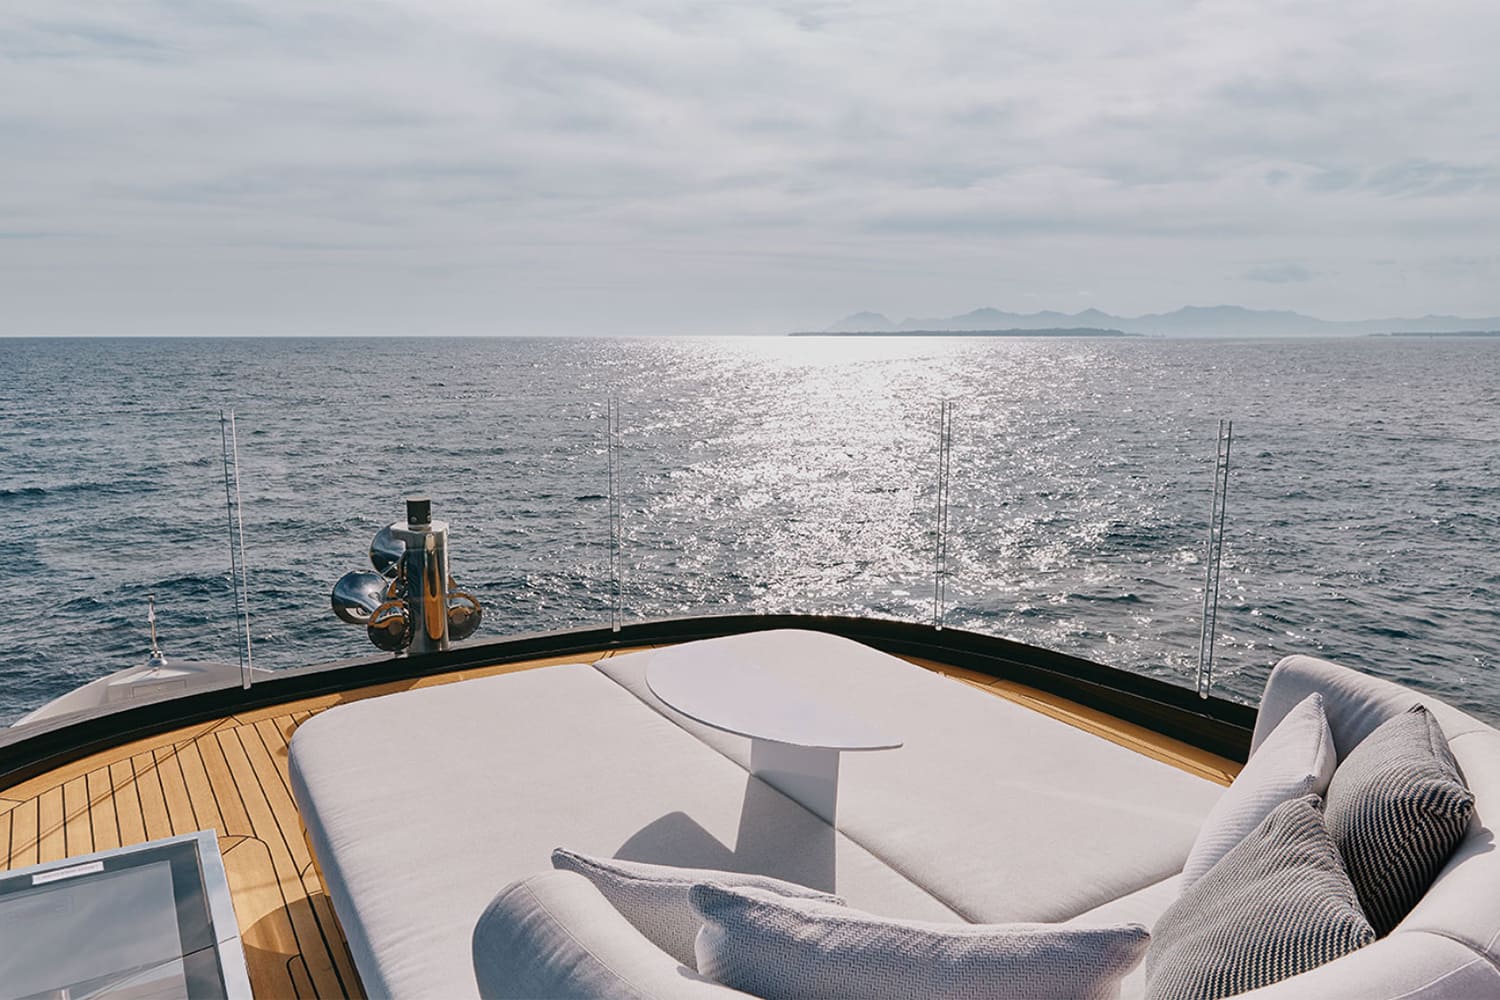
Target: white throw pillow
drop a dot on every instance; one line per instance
(780, 949)
(1296, 759)
(654, 898)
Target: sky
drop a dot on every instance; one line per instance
(466, 167)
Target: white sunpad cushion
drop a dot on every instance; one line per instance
(1039, 786)
(654, 898)
(1298, 758)
(780, 948)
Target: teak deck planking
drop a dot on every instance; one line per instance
(230, 776)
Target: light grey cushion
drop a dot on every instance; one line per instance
(654, 898)
(1145, 907)
(976, 765)
(1397, 807)
(1297, 759)
(1278, 904)
(420, 805)
(554, 936)
(789, 949)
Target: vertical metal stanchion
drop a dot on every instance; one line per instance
(1214, 556)
(238, 571)
(940, 543)
(616, 512)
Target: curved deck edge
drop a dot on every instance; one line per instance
(1217, 725)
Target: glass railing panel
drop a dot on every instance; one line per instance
(107, 506)
(1080, 529)
(521, 482)
(775, 475)
(1361, 509)
(818, 501)
(1369, 542)
(139, 507)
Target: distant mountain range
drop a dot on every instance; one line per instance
(1051, 331)
(1191, 321)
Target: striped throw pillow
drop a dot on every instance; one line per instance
(1397, 807)
(1278, 904)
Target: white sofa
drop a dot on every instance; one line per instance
(1448, 947)
(422, 806)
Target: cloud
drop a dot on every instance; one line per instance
(1482, 268)
(660, 165)
(1280, 274)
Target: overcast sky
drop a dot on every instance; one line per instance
(448, 166)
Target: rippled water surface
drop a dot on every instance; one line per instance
(767, 475)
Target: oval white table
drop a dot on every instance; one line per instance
(797, 729)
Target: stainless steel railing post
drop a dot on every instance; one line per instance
(940, 532)
(1214, 557)
(616, 515)
(239, 573)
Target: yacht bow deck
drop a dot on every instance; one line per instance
(230, 775)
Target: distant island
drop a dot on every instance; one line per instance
(1077, 331)
(1440, 333)
(1190, 321)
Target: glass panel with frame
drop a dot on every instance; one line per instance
(152, 920)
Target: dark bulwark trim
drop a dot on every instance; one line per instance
(1213, 724)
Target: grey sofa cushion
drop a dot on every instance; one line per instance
(1463, 902)
(1403, 966)
(1448, 947)
(1355, 702)
(1276, 905)
(654, 898)
(1297, 759)
(1397, 807)
(555, 936)
(788, 949)
(1462, 906)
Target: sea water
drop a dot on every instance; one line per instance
(766, 474)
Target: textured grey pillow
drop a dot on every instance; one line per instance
(780, 949)
(1296, 759)
(1397, 807)
(654, 898)
(1279, 903)
(553, 936)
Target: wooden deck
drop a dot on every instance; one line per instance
(1183, 756)
(231, 776)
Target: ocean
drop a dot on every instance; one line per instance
(766, 474)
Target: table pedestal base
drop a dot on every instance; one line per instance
(809, 775)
